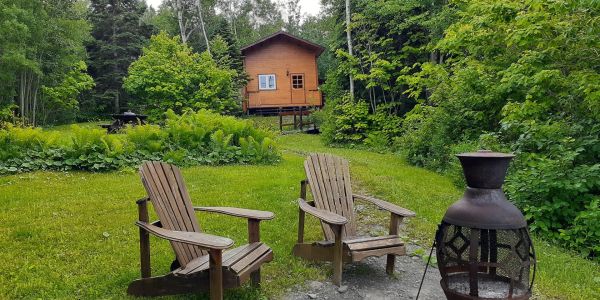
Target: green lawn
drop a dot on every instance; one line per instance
(71, 235)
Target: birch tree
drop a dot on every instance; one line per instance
(349, 40)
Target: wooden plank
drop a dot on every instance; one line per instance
(254, 237)
(186, 221)
(254, 267)
(301, 217)
(201, 263)
(313, 252)
(195, 238)
(316, 191)
(216, 274)
(240, 255)
(163, 210)
(360, 239)
(323, 215)
(156, 197)
(239, 212)
(393, 208)
(324, 201)
(341, 187)
(348, 188)
(331, 199)
(324, 174)
(144, 241)
(391, 259)
(360, 255)
(171, 209)
(250, 257)
(188, 204)
(375, 244)
(337, 256)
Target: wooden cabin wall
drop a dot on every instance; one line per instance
(281, 58)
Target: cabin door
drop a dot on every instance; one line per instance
(298, 91)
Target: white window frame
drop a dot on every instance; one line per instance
(266, 79)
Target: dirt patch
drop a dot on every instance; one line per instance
(368, 280)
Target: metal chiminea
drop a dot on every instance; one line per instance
(483, 246)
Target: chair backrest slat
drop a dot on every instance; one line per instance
(329, 180)
(168, 194)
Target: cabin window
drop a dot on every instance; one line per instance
(298, 81)
(267, 82)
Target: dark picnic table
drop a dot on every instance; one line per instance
(126, 118)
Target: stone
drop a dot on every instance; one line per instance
(315, 285)
(342, 289)
(312, 296)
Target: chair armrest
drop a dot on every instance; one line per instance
(323, 215)
(192, 238)
(239, 212)
(393, 208)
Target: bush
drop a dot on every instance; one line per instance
(347, 121)
(193, 138)
(169, 75)
(424, 141)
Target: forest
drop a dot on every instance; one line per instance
(422, 78)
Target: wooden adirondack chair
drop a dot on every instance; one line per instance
(202, 263)
(328, 177)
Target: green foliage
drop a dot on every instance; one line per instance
(41, 44)
(190, 139)
(170, 76)
(347, 121)
(119, 32)
(522, 73)
(64, 98)
(514, 76)
(423, 140)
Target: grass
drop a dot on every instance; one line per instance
(67, 127)
(71, 235)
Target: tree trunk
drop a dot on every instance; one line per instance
(115, 67)
(349, 39)
(22, 96)
(117, 104)
(35, 99)
(232, 16)
(199, 5)
(180, 21)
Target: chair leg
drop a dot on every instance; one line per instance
(254, 237)
(391, 262)
(216, 274)
(391, 259)
(337, 256)
(255, 278)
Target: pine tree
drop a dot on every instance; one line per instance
(119, 35)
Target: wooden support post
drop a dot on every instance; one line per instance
(280, 121)
(303, 189)
(144, 239)
(391, 259)
(301, 112)
(254, 237)
(337, 255)
(215, 262)
(301, 216)
(295, 122)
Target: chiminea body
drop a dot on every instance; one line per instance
(483, 246)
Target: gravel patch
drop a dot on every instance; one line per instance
(368, 280)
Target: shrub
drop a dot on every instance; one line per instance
(424, 141)
(347, 121)
(193, 138)
(169, 75)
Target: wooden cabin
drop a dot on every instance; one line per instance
(283, 74)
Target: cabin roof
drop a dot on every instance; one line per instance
(318, 49)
